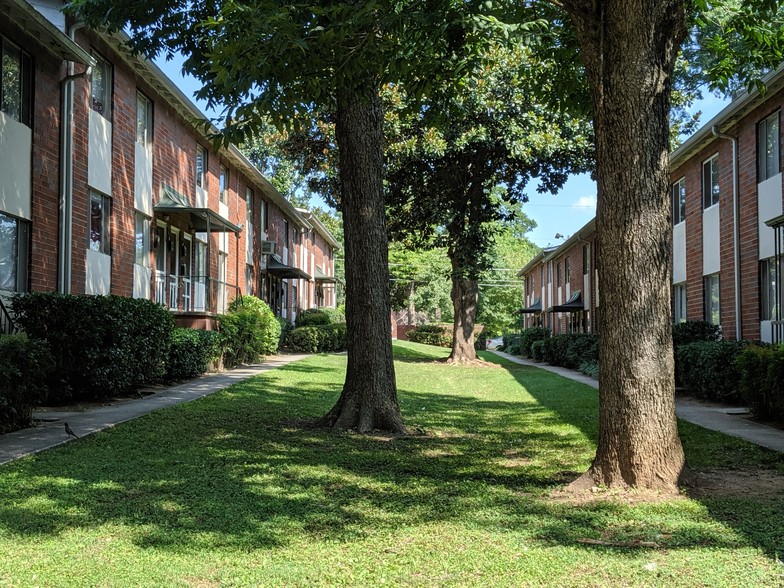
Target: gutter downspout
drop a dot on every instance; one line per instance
(64, 257)
(735, 224)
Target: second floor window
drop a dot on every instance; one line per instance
(567, 271)
(679, 201)
(587, 258)
(768, 161)
(101, 87)
(285, 233)
(16, 75)
(710, 182)
(201, 166)
(224, 185)
(143, 120)
(100, 222)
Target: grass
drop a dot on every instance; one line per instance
(231, 490)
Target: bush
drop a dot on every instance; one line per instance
(762, 380)
(24, 366)
(528, 336)
(191, 352)
(249, 330)
(269, 334)
(590, 368)
(101, 345)
(693, 331)
(508, 339)
(708, 369)
(439, 334)
(537, 350)
(320, 316)
(514, 345)
(581, 348)
(318, 339)
(554, 350)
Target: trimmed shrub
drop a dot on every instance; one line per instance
(528, 336)
(537, 350)
(581, 348)
(762, 380)
(102, 345)
(708, 369)
(318, 339)
(439, 334)
(508, 339)
(514, 346)
(191, 353)
(590, 368)
(24, 366)
(269, 335)
(693, 331)
(249, 330)
(320, 316)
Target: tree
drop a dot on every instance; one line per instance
(276, 62)
(457, 168)
(419, 281)
(629, 49)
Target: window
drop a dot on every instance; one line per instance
(248, 279)
(769, 280)
(768, 147)
(712, 297)
(679, 201)
(587, 258)
(224, 185)
(143, 120)
(558, 275)
(201, 166)
(142, 240)
(710, 182)
(249, 222)
(100, 215)
(679, 303)
(549, 272)
(264, 218)
(16, 70)
(295, 236)
(285, 233)
(14, 239)
(567, 271)
(101, 87)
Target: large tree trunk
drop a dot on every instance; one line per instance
(465, 295)
(629, 48)
(369, 397)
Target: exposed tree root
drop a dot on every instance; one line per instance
(470, 362)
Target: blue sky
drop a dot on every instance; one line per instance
(564, 212)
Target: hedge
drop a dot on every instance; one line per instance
(761, 384)
(191, 352)
(249, 330)
(102, 345)
(24, 366)
(318, 338)
(708, 369)
(694, 331)
(570, 350)
(320, 316)
(438, 334)
(528, 336)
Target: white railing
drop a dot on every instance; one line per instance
(199, 294)
(160, 287)
(173, 291)
(186, 294)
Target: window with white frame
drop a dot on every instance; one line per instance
(558, 275)
(710, 182)
(549, 272)
(567, 272)
(264, 222)
(249, 222)
(587, 258)
(285, 233)
(768, 142)
(248, 279)
(201, 166)
(17, 77)
(143, 120)
(679, 303)
(101, 87)
(679, 201)
(14, 242)
(224, 184)
(100, 222)
(142, 240)
(770, 278)
(712, 299)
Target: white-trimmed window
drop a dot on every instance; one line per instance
(264, 220)
(101, 87)
(17, 77)
(710, 182)
(143, 120)
(14, 242)
(712, 299)
(679, 303)
(224, 184)
(142, 240)
(100, 222)
(248, 279)
(768, 142)
(549, 272)
(249, 223)
(770, 279)
(567, 272)
(679, 201)
(201, 166)
(587, 258)
(285, 233)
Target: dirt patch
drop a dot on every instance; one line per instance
(737, 484)
(475, 363)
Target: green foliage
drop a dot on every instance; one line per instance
(249, 330)
(285, 327)
(439, 334)
(318, 338)
(693, 331)
(320, 316)
(708, 370)
(570, 350)
(102, 345)
(24, 367)
(537, 350)
(512, 344)
(529, 336)
(428, 271)
(590, 368)
(762, 380)
(191, 353)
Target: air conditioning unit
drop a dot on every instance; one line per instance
(269, 247)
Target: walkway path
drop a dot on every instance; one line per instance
(714, 417)
(51, 431)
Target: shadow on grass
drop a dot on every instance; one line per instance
(228, 472)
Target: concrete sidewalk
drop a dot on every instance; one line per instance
(725, 419)
(50, 431)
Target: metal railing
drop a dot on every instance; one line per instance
(194, 293)
(7, 325)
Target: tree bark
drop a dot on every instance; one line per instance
(369, 397)
(465, 295)
(411, 306)
(629, 49)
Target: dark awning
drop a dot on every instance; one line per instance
(574, 304)
(201, 220)
(320, 276)
(534, 308)
(283, 271)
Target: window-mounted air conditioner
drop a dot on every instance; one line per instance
(269, 247)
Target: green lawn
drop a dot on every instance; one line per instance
(231, 490)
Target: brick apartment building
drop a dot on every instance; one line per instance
(110, 184)
(728, 231)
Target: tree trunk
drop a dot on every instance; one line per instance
(411, 306)
(465, 295)
(629, 48)
(369, 397)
